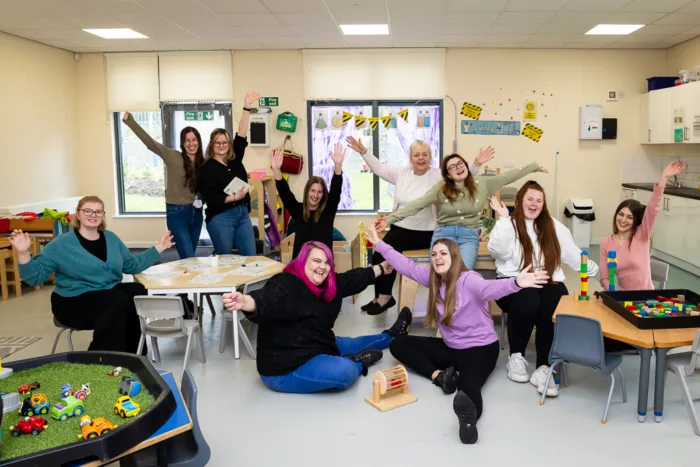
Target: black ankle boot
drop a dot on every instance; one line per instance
(367, 358)
(447, 380)
(403, 322)
(466, 414)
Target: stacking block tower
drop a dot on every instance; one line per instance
(612, 266)
(363, 245)
(583, 272)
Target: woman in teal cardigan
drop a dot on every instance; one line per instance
(89, 262)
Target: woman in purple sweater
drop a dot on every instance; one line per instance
(458, 300)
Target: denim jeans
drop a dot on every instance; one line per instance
(326, 371)
(185, 224)
(229, 227)
(466, 237)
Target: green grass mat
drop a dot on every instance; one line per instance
(105, 391)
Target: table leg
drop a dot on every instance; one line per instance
(644, 370)
(659, 384)
(236, 347)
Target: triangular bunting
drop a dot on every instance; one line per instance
(404, 114)
(347, 116)
(359, 121)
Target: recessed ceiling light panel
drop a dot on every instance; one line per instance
(121, 33)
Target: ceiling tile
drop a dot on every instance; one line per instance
(322, 41)
(635, 46)
(234, 6)
(662, 29)
(92, 22)
(585, 46)
(525, 17)
(470, 17)
(535, 5)
(304, 18)
(66, 34)
(238, 31)
(631, 17)
(459, 38)
(272, 42)
(677, 39)
(419, 18)
(694, 31)
(502, 45)
(476, 5)
(565, 28)
(360, 15)
(325, 27)
(165, 7)
(505, 38)
(579, 17)
(446, 29)
(188, 21)
(664, 6)
(413, 42)
(512, 28)
(553, 38)
(642, 39)
(596, 5)
(250, 19)
(78, 8)
(680, 18)
(293, 6)
(30, 23)
(369, 41)
(549, 45)
(693, 7)
(396, 5)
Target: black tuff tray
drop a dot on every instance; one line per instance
(118, 441)
(615, 301)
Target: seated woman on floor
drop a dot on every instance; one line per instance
(89, 262)
(296, 311)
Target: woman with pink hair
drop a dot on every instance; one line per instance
(296, 311)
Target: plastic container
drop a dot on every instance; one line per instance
(257, 174)
(688, 76)
(661, 82)
(579, 217)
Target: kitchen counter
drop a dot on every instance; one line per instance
(692, 193)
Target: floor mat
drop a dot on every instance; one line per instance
(10, 345)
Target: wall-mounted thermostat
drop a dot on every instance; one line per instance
(591, 122)
(259, 129)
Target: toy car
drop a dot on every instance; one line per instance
(92, 428)
(68, 407)
(27, 425)
(129, 386)
(81, 393)
(125, 407)
(35, 405)
(25, 388)
(116, 372)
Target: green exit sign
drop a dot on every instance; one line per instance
(201, 116)
(269, 101)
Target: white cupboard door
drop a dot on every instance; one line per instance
(660, 116)
(644, 129)
(677, 213)
(692, 233)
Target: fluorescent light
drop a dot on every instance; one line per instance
(615, 29)
(123, 33)
(365, 29)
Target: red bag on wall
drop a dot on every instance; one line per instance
(292, 162)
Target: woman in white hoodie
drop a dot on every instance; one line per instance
(532, 237)
(415, 232)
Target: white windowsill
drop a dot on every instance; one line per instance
(137, 216)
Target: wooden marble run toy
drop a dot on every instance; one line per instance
(390, 389)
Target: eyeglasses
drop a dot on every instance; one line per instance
(221, 144)
(456, 166)
(91, 213)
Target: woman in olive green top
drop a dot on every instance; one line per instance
(459, 199)
(183, 215)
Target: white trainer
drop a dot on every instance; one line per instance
(539, 377)
(517, 368)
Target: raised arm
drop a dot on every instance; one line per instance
(415, 206)
(570, 252)
(490, 290)
(482, 157)
(356, 280)
(33, 271)
(249, 100)
(399, 262)
(151, 144)
(654, 205)
(498, 181)
(383, 171)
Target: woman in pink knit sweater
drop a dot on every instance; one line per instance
(631, 238)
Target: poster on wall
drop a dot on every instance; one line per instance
(337, 122)
(423, 120)
(679, 116)
(533, 133)
(530, 110)
(490, 127)
(320, 119)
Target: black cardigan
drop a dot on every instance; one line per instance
(306, 231)
(295, 325)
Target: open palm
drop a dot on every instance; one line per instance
(277, 158)
(674, 168)
(21, 241)
(251, 98)
(356, 145)
(485, 155)
(338, 154)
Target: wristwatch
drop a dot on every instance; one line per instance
(247, 109)
(381, 268)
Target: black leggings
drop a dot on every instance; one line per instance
(424, 355)
(401, 240)
(111, 313)
(529, 308)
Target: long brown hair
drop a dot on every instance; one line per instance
(75, 222)
(449, 280)
(321, 206)
(550, 250)
(191, 167)
(637, 210)
(212, 138)
(450, 189)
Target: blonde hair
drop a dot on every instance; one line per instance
(419, 142)
(75, 221)
(212, 139)
(449, 280)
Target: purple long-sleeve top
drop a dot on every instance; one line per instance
(472, 325)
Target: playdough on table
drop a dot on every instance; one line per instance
(52, 377)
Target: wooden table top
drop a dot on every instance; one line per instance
(669, 338)
(161, 276)
(614, 326)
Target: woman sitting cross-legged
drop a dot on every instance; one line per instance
(89, 262)
(296, 310)
(458, 300)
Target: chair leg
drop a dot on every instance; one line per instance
(546, 383)
(211, 305)
(222, 334)
(246, 341)
(55, 341)
(622, 383)
(190, 331)
(154, 349)
(3, 279)
(200, 338)
(70, 339)
(236, 346)
(607, 404)
(142, 342)
(689, 404)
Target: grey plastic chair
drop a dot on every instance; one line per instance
(580, 340)
(659, 272)
(238, 330)
(682, 364)
(62, 327)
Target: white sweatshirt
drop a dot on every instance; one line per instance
(505, 247)
(409, 187)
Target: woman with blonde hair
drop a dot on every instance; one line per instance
(89, 262)
(414, 232)
(458, 305)
(227, 216)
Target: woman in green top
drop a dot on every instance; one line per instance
(459, 200)
(183, 212)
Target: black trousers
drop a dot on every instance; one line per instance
(401, 240)
(111, 313)
(424, 355)
(529, 308)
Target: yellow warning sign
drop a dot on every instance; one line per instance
(471, 111)
(530, 112)
(532, 132)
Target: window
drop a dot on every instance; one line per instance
(362, 190)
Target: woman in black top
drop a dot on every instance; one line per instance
(314, 217)
(296, 311)
(227, 216)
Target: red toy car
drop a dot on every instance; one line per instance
(25, 388)
(27, 425)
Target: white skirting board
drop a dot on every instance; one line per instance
(59, 204)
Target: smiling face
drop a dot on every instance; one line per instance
(191, 144)
(533, 201)
(317, 266)
(420, 157)
(315, 196)
(457, 169)
(91, 215)
(624, 220)
(221, 146)
(441, 259)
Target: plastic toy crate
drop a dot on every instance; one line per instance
(615, 301)
(661, 82)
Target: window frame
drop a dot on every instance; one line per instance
(375, 104)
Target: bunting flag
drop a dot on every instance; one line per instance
(373, 122)
(347, 116)
(359, 121)
(404, 114)
(471, 111)
(386, 120)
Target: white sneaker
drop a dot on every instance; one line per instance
(517, 368)
(539, 377)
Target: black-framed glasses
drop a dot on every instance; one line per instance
(91, 213)
(456, 166)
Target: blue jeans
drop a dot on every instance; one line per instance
(466, 237)
(232, 226)
(326, 371)
(185, 224)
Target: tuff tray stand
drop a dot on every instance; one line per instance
(616, 300)
(120, 440)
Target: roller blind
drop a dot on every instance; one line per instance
(132, 82)
(195, 76)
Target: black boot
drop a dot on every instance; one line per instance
(367, 358)
(447, 380)
(403, 322)
(466, 414)
(377, 309)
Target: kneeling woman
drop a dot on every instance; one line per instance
(458, 305)
(89, 262)
(296, 311)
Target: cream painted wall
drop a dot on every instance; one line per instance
(685, 56)
(38, 121)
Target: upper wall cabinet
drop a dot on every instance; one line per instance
(667, 116)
